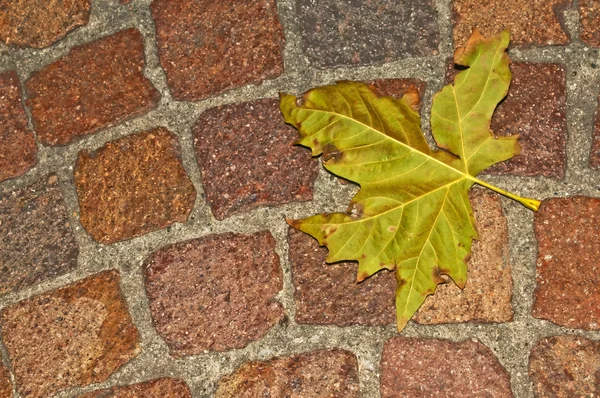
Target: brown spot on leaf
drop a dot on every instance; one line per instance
(392, 228)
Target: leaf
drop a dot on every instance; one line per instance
(412, 213)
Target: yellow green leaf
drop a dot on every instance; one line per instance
(412, 213)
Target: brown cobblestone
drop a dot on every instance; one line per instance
(414, 367)
(487, 295)
(535, 108)
(40, 23)
(565, 366)
(328, 293)
(215, 293)
(353, 33)
(595, 152)
(74, 336)
(207, 47)
(531, 22)
(96, 85)
(398, 87)
(5, 384)
(133, 186)
(17, 143)
(589, 17)
(36, 238)
(158, 388)
(318, 374)
(247, 159)
(568, 282)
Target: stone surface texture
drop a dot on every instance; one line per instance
(74, 336)
(532, 22)
(398, 87)
(96, 85)
(214, 293)
(327, 294)
(568, 281)
(589, 12)
(158, 388)
(352, 33)
(535, 108)
(207, 47)
(331, 373)
(17, 143)
(6, 389)
(595, 152)
(132, 186)
(414, 367)
(247, 158)
(487, 294)
(565, 366)
(40, 23)
(36, 237)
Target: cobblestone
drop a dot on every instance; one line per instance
(17, 143)
(74, 336)
(318, 374)
(159, 388)
(568, 285)
(96, 85)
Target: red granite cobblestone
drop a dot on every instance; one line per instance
(36, 238)
(5, 383)
(568, 281)
(74, 336)
(414, 367)
(595, 152)
(214, 293)
(487, 294)
(565, 366)
(589, 12)
(247, 158)
(331, 373)
(535, 108)
(158, 388)
(328, 293)
(531, 22)
(207, 47)
(133, 186)
(40, 23)
(17, 143)
(352, 33)
(96, 85)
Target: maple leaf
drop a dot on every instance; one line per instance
(412, 213)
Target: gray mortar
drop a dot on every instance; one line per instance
(511, 342)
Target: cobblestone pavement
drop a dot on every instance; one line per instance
(146, 173)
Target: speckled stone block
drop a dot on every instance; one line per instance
(158, 388)
(535, 108)
(132, 186)
(40, 23)
(352, 33)
(207, 47)
(568, 281)
(414, 367)
(36, 237)
(318, 374)
(595, 152)
(17, 143)
(215, 293)
(328, 293)
(247, 158)
(565, 366)
(487, 294)
(6, 389)
(589, 17)
(531, 22)
(96, 85)
(74, 336)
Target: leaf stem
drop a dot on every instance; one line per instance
(532, 204)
